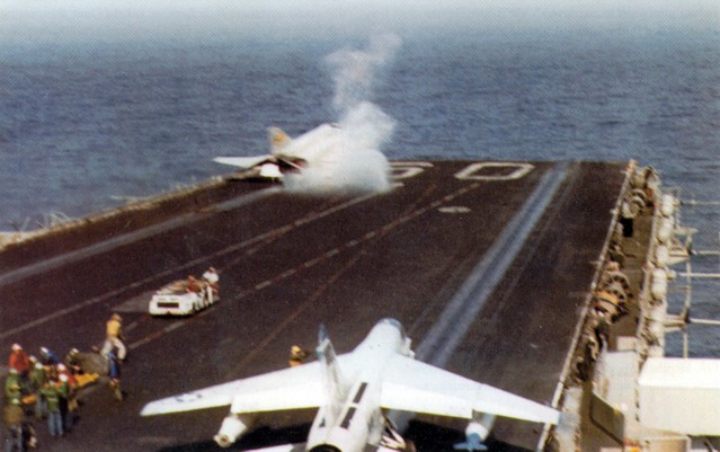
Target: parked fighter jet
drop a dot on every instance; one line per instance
(351, 392)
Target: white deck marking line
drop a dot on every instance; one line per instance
(379, 232)
(174, 326)
(457, 317)
(463, 308)
(158, 334)
(68, 310)
(288, 273)
(158, 276)
(274, 234)
(311, 262)
(384, 229)
(279, 328)
(263, 284)
(115, 242)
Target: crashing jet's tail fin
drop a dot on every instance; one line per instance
(331, 372)
(278, 139)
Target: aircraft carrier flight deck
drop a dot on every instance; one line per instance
(487, 265)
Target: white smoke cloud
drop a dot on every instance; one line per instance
(354, 71)
(354, 162)
(342, 174)
(367, 126)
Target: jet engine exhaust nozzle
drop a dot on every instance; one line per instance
(231, 429)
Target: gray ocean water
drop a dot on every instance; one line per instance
(83, 125)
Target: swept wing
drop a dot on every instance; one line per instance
(245, 162)
(414, 386)
(291, 388)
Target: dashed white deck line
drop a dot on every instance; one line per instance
(312, 262)
(263, 285)
(288, 273)
(457, 316)
(272, 234)
(115, 242)
(377, 233)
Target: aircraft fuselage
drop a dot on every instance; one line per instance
(358, 421)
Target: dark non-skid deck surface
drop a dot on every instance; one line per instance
(289, 263)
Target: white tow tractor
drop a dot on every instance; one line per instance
(186, 296)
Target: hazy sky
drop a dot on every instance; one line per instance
(136, 19)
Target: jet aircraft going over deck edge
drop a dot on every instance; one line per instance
(327, 159)
(288, 154)
(352, 392)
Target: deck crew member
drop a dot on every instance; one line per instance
(114, 337)
(38, 377)
(52, 395)
(19, 360)
(297, 356)
(13, 416)
(72, 361)
(12, 386)
(211, 276)
(48, 357)
(114, 374)
(67, 387)
(212, 279)
(627, 218)
(193, 285)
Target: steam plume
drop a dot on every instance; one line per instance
(356, 162)
(354, 71)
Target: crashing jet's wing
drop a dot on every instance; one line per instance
(414, 386)
(244, 162)
(287, 389)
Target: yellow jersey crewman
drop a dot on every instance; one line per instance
(114, 337)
